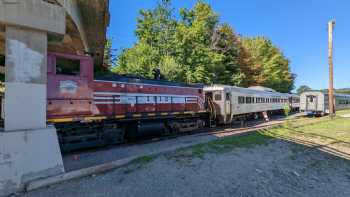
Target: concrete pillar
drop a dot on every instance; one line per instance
(25, 79)
(26, 156)
(29, 149)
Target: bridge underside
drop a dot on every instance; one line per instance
(86, 26)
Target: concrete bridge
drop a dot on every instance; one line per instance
(28, 30)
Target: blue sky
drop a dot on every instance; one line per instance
(298, 27)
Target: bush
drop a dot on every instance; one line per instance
(286, 110)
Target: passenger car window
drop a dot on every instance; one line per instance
(240, 100)
(218, 97)
(311, 99)
(67, 66)
(248, 99)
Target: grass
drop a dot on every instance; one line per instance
(138, 163)
(316, 131)
(336, 129)
(305, 131)
(144, 159)
(224, 145)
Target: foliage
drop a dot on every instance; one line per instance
(339, 91)
(343, 91)
(108, 59)
(235, 59)
(224, 145)
(270, 66)
(138, 61)
(286, 110)
(196, 48)
(171, 70)
(303, 88)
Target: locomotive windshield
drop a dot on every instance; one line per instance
(67, 66)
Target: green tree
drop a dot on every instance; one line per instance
(171, 70)
(235, 61)
(343, 91)
(196, 48)
(157, 27)
(108, 56)
(270, 67)
(138, 61)
(156, 37)
(109, 59)
(303, 88)
(193, 46)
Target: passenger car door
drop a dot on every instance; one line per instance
(228, 103)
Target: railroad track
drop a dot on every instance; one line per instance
(219, 131)
(223, 131)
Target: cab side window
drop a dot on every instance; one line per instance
(67, 67)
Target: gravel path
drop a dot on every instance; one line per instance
(279, 168)
(92, 158)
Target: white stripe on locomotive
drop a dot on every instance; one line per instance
(140, 98)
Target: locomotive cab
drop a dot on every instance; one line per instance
(69, 89)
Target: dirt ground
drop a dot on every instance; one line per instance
(308, 157)
(274, 168)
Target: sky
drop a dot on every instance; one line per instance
(297, 27)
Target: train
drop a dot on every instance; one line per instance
(234, 103)
(90, 111)
(316, 102)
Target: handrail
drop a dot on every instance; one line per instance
(212, 108)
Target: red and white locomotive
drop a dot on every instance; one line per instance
(90, 111)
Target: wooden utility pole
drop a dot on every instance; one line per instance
(330, 61)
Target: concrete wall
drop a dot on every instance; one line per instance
(25, 79)
(26, 55)
(72, 9)
(30, 112)
(34, 14)
(26, 156)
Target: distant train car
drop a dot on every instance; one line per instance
(230, 103)
(316, 102)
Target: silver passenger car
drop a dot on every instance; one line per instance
(316, 102)
(230, 102)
